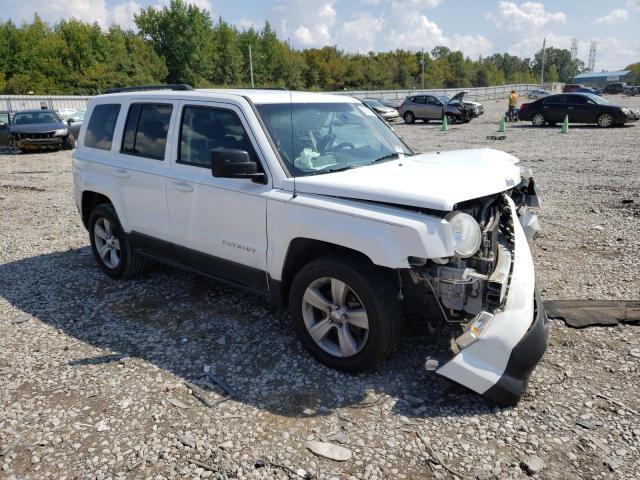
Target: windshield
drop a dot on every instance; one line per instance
(448, 100)
(316, 138)
(596, 98)
(36, 117)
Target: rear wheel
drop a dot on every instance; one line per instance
(537, 120)
(345, 312)
(110, 245)
(605, 120)
(409, 117)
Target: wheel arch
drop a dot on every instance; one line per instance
(303, 250)
(91, 200)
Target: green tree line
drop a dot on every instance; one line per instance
(181, 43)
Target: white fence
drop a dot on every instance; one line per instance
(476, 93)
(14, 103)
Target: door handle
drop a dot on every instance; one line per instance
(569, 108)
(122, 173)
(183, 186)
(545, 107)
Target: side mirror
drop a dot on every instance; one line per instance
(70, 121)
(230, 163)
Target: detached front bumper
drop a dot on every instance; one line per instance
(499, 363)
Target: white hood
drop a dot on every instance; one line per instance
(430, 180)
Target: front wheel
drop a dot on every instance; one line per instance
(110, 245)
(537, 120)
(345, 312)
(605, 120)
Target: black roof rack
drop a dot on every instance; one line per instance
(144, 88)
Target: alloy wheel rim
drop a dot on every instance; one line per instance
(408, 117)
(107, 244)
(538, 119)
(605, 120)
(335, 317)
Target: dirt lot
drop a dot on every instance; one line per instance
(93, 372)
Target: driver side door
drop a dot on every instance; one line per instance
(218, 225)
(434, 108)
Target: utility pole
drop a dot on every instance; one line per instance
(592, 58)
(544, 46)
(251, 67)
(422, 65)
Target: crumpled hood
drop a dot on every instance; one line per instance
(436, 181)
(38, 127)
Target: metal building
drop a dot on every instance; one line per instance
(602, 79)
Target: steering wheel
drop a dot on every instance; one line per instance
(344, 145)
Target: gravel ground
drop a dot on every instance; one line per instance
(94, 373)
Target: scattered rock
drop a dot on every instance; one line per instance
(177, 403)
(330, 451)
(532, 464)
(228, 445)
(589, 424)
(22, 318)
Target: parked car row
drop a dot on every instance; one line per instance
(40, 129)
(579, 108)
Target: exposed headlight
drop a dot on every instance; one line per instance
(626, 111)
(60, 133)
(465, 233)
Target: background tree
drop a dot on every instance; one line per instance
(179, 33)
(566, 67)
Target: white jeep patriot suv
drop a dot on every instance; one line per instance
(314, 200)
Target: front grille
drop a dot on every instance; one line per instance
(38, 136)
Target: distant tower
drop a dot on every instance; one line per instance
(592, 57)
(574, 48)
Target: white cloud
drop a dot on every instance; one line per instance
(471, 45)
(246, 24)
(614, 17)
(122, 14)
(527, 16)
(308, 25)
(612, 52)
(86, 10)
(360, 33)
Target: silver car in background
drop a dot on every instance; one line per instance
(387, 113)
(538, 94)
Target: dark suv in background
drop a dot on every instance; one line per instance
(617, 87)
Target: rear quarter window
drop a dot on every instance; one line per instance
(101, 126)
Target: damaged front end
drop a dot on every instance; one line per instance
(490, 293)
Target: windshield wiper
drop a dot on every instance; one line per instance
(388, 157)
(333, 170)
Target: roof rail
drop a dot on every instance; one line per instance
(143, 88)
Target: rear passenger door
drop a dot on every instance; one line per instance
(555, 108)
(218, 225)
(141, 167)
(419, 106)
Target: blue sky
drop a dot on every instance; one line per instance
(479, 27)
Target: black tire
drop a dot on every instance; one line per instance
(606, 120)
(69, 142)
(131, 264)
(535, 120)
(409, 117)
(378, 296)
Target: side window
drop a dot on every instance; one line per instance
(101, 126)
(204, 129)
(421, 100)
(4, 117)
(145, 133)
(432, 101)
(555, 99)
(579, 100)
